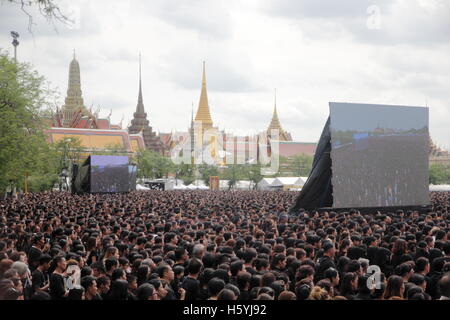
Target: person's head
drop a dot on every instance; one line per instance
(395, 287)
(243, 280)
(39, 240)
(305, 272)
(326, 284)
(318, 293)
(236, 267)
(287, 295)
(111, 264)
(118, 274)
(194, 266)
(444, 285)
(226, 294)
(21, 268)
(198, 251)
(98, 269)
(279, 261)
(165, 272)
(181, 254)
(328, 249)
(419, 280)
(8, 290)
(146, 291)
(349, 283)
(333, 275)
(302, 291)
(404, 270)
(422, 265)
(90, 286)
(119, 290)
(103, 284)
(160, 289)
(249, 255)
(112, 252)
(76, 293)
(215, 285)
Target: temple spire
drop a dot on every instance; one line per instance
(275, 122)
(203, 113)
(139, 121)
(74, 100)
(140, 105)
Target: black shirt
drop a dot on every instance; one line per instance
(39, 280)
(33, 258)
(192, 287)
(57, 287)
(324, 263)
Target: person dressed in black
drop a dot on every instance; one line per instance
(327, 260)
(57, 286)
(191, 283)
(40, 281)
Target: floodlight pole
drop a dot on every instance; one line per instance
(15, 43)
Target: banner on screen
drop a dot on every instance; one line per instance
(379, 155)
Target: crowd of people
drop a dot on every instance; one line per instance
(214, 245)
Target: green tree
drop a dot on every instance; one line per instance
(69, 151)
(24, 150)
(253, 173)
(439, 174)
(301, 165)
(153, 165)
(206, 171)
(185, 172)
(233, 173)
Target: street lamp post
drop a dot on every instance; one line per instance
(15, 43)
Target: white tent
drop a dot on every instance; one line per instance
(287, 183)
(265, 183)
(440, 187)
(180, 187)
(141, 187)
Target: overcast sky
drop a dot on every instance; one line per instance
(313, 52)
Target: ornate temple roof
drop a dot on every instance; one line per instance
(203, 113)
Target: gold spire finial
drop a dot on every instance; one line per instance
(203, 113)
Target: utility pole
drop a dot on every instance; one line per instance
(15, 43)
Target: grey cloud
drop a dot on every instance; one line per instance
(208, 18)
(410, 22)
(322, 8)
(226, 71)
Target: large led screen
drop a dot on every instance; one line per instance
(112, 174)
(379, 155)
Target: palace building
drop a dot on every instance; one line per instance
(74, 120)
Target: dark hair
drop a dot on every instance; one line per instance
(119, 290)
(393, 287)
(194, 266)
(346, 285)
(87, 281)
(76, 294)
(117, 274)
(215, 285)
(421, 264)
(331, 273)
(110, 263)
(235, 267)
(243, 279)
(145, 291)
